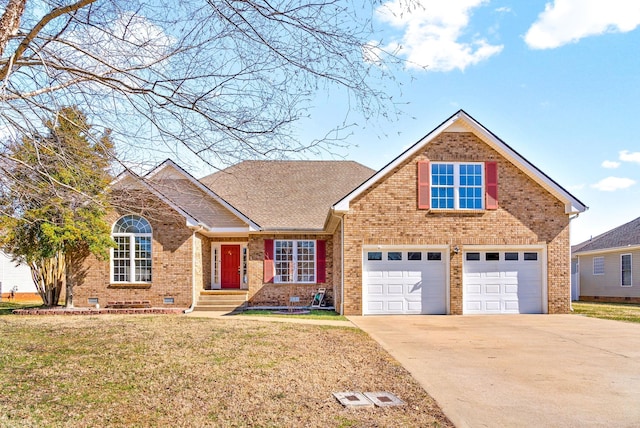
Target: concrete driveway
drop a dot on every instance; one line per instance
(520, 370)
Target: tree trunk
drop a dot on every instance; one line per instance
(68, 293)
(49, 277)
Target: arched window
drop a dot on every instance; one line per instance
(131, 259)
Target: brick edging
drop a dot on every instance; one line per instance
(91, 311)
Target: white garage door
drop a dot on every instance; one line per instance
(404, 281)
(503, 282)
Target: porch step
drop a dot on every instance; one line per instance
(221, 300)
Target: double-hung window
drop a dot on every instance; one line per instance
(457, 186)
(131, 259)
(625, 270)
(295, 261)
(598, 265)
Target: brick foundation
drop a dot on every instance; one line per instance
(610, 299)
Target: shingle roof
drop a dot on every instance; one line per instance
(197, 203)
(622, 236)
(287, 195)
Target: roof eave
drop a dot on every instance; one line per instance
(294, 230)
(630, 247)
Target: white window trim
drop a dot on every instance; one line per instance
(594, 266)
(217, 264)
(276, 278)
(456, 185)
(631, 270)
(132, 255)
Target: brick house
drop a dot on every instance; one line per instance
(459, 223)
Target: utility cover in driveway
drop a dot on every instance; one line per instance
(404, 281)
(503, 282)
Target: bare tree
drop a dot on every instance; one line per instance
(223, 79)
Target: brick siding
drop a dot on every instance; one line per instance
(268, 294)
(387, 214)
(171, 261)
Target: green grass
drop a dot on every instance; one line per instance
(155, 371)
(313, 315)
(6, 308)
(610, 311)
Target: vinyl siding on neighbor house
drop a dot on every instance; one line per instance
(16, 278)
(609, 285)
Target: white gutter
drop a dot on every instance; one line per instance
(195, 230)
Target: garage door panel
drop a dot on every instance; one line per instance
(405, 286)
(473, 305)
(492, 288)
(510, 305)
(511, 288)
(375, 305)
(395, 306)
(374, 289)
(502, 286)
(474, 288)
(395, 289)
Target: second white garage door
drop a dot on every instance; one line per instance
(404, 281)
(503, 282)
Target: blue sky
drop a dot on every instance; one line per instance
(558, 81)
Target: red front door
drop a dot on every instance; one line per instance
(230, 277)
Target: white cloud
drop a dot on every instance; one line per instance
(432, 33)
(627, 156)
(611, 184)
(575, 187)
(610, 164)
(503, 9)
(567, 21)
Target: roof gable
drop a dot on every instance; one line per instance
(462, 122)
(200, 206)
(131, 181)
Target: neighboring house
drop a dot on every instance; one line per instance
(457, 224)
(16, 282)
(605, 265)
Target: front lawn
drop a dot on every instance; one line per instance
(610, 311)
(149, 371)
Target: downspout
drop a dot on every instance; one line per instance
(342, 265)
(195, 230)
(572, 217)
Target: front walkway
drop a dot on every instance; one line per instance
(284, 318)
